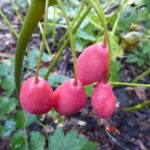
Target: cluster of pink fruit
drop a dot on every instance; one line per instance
(70, 97)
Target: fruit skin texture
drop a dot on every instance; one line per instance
(36, 98)
(69, 98)
(103, 100)
(92, 64)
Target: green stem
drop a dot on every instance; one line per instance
(141, 76)
(34, 14)
(43, 40)
(16, 11)
(73, 22)
(41, 30)
(46, 43)
(137, 107)
(9, 24)
(79, 21)
(71, 39)
(99, 11)
(123, 5)
(54, 26)
(25, 135)
(130, 84)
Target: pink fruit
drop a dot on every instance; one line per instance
(69, 98)
(103, 100)
(36, 98)
(92, 64)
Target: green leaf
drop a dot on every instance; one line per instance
(18, 141)
(8, 84)
(72, 141)
(7, 105)
(147, 2)
(37, 141)
(86, 35)
(32, 58)
(116, 48)
(29, 118)
(129, 15)
(79, 44)
(57, 140)
(8, 128)
(132, 58)
(89, 89)
(115, 68)
(56, 79)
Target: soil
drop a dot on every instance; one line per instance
(123, 131)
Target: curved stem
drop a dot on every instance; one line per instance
(34, 14)
(130, 84)
(57, 56)
(41, 30)
(43, 41)
(9, 24)
(123, 5)
(137, 107)
(104, 42)
(71, 39)
(54, 26)
(141, 76)
(25, 134)
(99, 11)
(73, 22)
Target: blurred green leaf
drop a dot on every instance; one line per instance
(8, 127)
(129, 15)
(7, 105)
(116, 48)
(56, 79)
(89, 90)
(115, 68)
(32, 58)
(37, 141)
(147, 2)
(79, 44)
(132, 58)
(29, 118)
(18, 141)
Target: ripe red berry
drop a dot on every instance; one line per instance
(103, 100)
(36, 97)
(69, 98)
(92, 64)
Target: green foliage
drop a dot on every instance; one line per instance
(140, 56)
(129, 15)
(71, 141)
(18, 141)
(37, 141)
(8, 127)
(115, 68)
(89, 90)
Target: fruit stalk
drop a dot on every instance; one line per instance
(79, 21)
(98, 9)
(43, 41)
(34, 15)
(71, 39)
